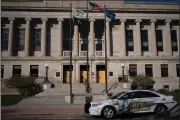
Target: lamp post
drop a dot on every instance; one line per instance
(46, 78)
(122, 66)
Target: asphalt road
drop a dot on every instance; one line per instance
(80, 117)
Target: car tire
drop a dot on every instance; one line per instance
(108, 112)
(160, 109)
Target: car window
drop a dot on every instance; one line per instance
(149, 94)
(144, 94)
(127, 96)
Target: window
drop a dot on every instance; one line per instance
(144, 40)
(142, 94)
(110, 73)
(178, 70)
(21, 39)
(148, 70)
(164, 70)
(174, 40)
(99, 45)
(16, 70)
(132, 69)
(4, 39)
(159, 40)
(166, 87)
(57, 74)
(84, 45)
(67, 44)
(2, 71)
(129, 40)
(37, 40)
(34, 70)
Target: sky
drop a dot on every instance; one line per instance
(157, 1)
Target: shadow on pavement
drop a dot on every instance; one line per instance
(10, 99)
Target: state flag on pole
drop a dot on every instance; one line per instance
(110, 14)
(95, 7)
(78, 13)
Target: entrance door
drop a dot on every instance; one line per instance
(66, 74)
(100, 73)
(83, 73)
(101, 76)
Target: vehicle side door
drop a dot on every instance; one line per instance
(124, 101)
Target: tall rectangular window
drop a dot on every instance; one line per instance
(37, 40)
(159, 40)
(99, 44)
(164, 70)
(144, 40)
(178, 70)
(2, 71)
(4, 39)
(67, 44)
(129, 40)
(149, 70)
(174, 40)
(21, 39)
(34, 70)
(84, 44)
(16, 70)
(132, 69)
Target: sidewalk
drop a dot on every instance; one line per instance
(43, 110)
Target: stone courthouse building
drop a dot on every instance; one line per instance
(144, 38)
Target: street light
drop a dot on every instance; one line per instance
(122, 66)
(46, 78)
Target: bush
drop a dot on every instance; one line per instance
(26, 85)
(142, 82)
(175, 93)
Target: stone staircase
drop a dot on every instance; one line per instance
(56, 95)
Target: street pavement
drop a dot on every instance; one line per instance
(59, 112)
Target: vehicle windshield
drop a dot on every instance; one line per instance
(117, 95)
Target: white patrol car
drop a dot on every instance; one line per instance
(135, 101)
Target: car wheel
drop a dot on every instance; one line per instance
(108, 112)
(160, 109)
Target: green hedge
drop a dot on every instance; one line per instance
(26, 85)
(175, 93)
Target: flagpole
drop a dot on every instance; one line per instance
(106, 84)
(71, 101)
(87, 54)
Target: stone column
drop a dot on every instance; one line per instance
(152, 41)
(168, 44)
(27, 36)
(60, 36)
(76, 40)
(92, 42)
(108, 37)
(43, 36)
(137, 41)
(10, 41)
(122, 38)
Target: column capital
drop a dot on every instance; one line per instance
(153, 20)
(27, 19)
(44, 19)
(168, 20)
(11, 18)
(138, 20)
(60, 19)
(92, 19)
(122, 20)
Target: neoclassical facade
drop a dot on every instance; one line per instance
(144, 38)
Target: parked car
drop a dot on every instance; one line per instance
(135, 101)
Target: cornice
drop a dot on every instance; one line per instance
(90, 58)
